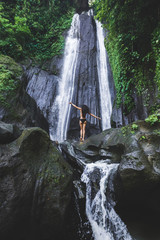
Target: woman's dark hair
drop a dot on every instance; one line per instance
(85, 110)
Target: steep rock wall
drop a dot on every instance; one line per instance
(138, 178)
(81, 5)
(86, 79)
(43, 85)
(35, 186)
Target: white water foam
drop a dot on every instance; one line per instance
(105, 223)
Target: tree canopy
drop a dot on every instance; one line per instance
(33, 28)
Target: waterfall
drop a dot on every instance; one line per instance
(83, 80)
(105, 97)
(66, 86)
(105, 223)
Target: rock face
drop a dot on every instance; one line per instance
(19, 108)
(25, 113)
(43, 85)
(136, 148)
(6, 132)
(81, 5)
(86, 89)
(125, 145)
(35, 187)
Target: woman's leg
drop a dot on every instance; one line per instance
(84, 130)
(81, 130)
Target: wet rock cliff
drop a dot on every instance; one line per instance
(35, 185)
(136, 148)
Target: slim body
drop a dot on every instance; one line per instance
(82, 121)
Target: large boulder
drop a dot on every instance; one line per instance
(139, 167)
(17, 107)
(35, 187)
(136, 148)
(6, 132)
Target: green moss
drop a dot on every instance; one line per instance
(42, 158)
(124, 130)
(157, 132)
(10, 73)
(139, 164)
(129, 129)
(11, 65)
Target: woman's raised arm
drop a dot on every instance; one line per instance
(75, 106)
(94, 116)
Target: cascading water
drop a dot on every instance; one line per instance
(83, 71)
(66, 86)
(105, 223)
(105, 97)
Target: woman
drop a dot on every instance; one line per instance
(82, 122)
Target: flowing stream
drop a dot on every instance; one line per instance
(105, 223)
(105, 96)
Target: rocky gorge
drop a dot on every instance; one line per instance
(84, 87)
(36, 180)
(55, 187)
(138, 177)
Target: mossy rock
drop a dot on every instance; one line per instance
(10, 73)
(11, 65)
(34, 170)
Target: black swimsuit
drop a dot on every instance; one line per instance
(82, 120)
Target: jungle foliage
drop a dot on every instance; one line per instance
(33, 28)
(10, 73)
(133, 45)
(29, 29)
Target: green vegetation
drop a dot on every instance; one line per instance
(134, 126)
(157, 132)
(142, 138)
(129, 129)
(10, 73)
(33, 28)
(29, 29)
(156, 52)
(133, 45)
(154, 118)
(124, 130)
